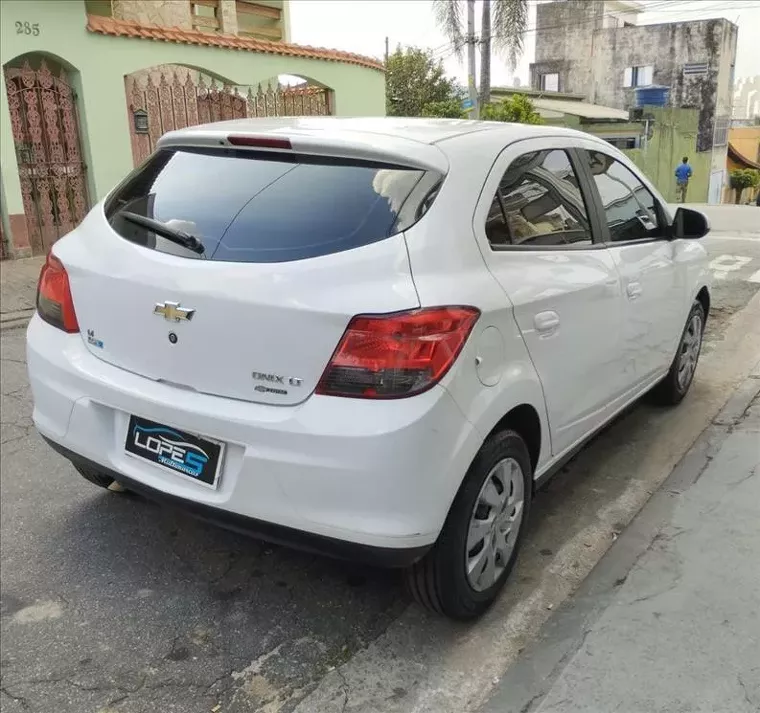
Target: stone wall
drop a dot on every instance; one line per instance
(169, 13)
(228, 17)
(173, 13)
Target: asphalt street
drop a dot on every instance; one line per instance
(111, 604)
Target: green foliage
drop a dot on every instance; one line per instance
(517, 109)
(503, 27)
(742, 178)
(448, 109)
(414, 80)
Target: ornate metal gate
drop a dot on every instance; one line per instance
(166, 105)
(158, 104)
(46, 138)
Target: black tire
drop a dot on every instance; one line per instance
(439, 580)
(670, 391)
(94, 476)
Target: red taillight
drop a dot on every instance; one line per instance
(402, 354)
(263, 142)
(54, 303)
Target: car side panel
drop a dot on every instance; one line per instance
(494, 372)
(654, 292)
(578, 288)
(670, 274)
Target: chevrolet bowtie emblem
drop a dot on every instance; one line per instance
(172, 312)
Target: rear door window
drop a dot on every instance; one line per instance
(538, 203)
(246, 206)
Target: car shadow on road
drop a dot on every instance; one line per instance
(175, 599)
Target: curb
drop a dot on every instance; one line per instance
(530, 678)
(13, 320)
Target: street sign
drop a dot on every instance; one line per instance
(468, 104)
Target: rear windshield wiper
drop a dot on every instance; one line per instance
(180, 237)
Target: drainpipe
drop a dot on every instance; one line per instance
(646, 135)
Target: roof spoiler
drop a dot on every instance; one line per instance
(360, 146)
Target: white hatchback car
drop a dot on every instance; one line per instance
(372, 338)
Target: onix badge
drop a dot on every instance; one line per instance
(172, 312)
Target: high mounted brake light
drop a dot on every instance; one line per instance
(54, 302)
(397, 355)
(262, 142)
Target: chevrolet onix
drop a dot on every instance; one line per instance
(372, 338)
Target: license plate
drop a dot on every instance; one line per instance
(178, 451)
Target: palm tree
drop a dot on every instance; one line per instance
(503, 25)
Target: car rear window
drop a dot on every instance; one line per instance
(246, 206)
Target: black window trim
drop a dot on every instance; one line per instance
(596, 225)
(604, 231)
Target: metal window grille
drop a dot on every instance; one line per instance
(695, 68)
(720, 135)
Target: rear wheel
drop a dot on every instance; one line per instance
(464, 572)
(671, 390)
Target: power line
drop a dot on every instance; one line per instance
(665, 3)
(448, 49)
(447, 46)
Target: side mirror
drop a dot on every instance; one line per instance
(690, 224)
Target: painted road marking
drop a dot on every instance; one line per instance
(723, 264)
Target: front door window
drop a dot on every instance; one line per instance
(629, 207)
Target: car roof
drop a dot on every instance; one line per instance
(423, 130)
(422, 142)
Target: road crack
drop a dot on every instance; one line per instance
(654, 595)
(346, 689)
(19, 699)
(743, 686)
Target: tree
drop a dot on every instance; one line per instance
(448, 109)
(503, 24)
(413, 80)
(742, 178)
(517, 109)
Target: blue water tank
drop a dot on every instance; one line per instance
(653, 95)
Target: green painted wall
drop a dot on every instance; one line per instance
(98, 65)
(674, 136)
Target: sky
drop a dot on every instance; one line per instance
(361, 26)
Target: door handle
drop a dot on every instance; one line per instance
(546, 322)
(634, 290)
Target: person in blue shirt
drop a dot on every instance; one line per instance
(683, 174)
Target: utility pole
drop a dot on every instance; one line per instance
(387, 52)
(471, 58)
(485, 53)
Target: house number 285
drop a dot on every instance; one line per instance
(27, 28)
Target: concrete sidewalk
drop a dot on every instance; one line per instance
(18, 290)
(669, 620)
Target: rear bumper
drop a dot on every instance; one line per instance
(369, 475)
(270, 532)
